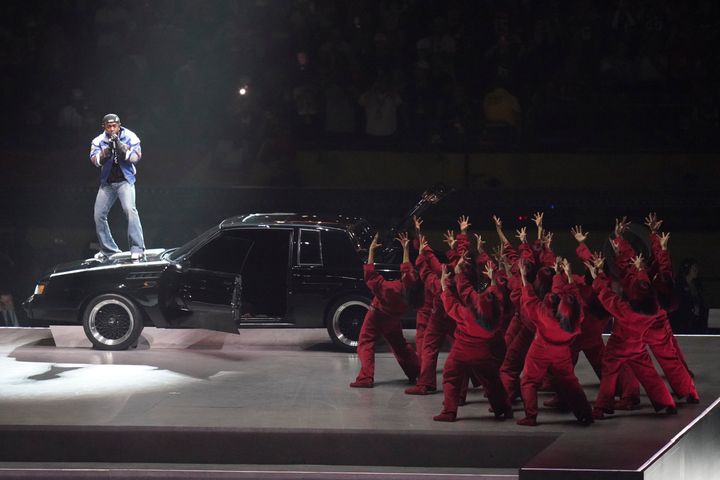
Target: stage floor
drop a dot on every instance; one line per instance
(275, 403)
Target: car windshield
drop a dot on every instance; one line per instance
(189, 246)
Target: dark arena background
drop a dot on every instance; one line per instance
(586, 110)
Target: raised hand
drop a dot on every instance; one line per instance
(464, 223)
(556, 265)
(638, 262)
(479, 242)
(489, 271)
(538, 218)
(615, 244)
(417, 221)
(498, 222)
(652, 222)
(403, 239)
(578, 234)
(595, 265)
(374, 245)
(547, 239)
(449, 238)
(621, 225)
(664, 238)
(565, 264)
(423, 243)
(522, 234)
(592, 269)
(598, 260)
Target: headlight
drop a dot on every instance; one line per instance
(39, 289)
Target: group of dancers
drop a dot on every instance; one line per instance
(518, 318)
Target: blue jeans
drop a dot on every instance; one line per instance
(106, 197)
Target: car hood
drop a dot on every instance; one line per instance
(119, 259)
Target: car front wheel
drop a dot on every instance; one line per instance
(112, 322)
(345, 320)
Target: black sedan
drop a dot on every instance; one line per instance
(257, 270)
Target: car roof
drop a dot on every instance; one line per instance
(291, 219)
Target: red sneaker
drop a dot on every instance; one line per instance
(417, 390)
(528, 422)
(364, 384)
(445, 417)
(598, 413)
(625, 403)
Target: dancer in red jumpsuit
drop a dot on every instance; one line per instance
(663, 280)
(392, 298)
(439, 327)
(626, 345)
(557, 317)
(517, 343)
(596, 321)
(472, 349)
(659, 336)
(422, 316)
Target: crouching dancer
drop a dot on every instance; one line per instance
(478, 325)
(392, 298)
(626, 344)
(557, 318)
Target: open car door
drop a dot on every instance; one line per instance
(206, 290)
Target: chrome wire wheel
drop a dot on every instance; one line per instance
(111, 322)
(347, 320)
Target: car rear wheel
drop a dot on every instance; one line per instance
(345, 320)
(112, 322)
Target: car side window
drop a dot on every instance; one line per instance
(309, 248)
(225, 253)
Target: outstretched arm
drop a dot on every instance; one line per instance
(538, 219)
(499, 230)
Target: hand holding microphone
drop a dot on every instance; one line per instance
(117, 144)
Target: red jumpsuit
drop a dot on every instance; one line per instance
(628, 386)
(626, 346)
(659, 336)
(550, 353)
(514, 361)
(385, 318)
(439, 326)
(662, 278)
(472, 351)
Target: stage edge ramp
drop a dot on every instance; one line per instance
(692, 454)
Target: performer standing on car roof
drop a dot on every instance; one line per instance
(115, 152)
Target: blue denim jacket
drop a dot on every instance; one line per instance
(127, 162)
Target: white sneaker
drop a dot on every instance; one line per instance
(136, 256)
(100, 257)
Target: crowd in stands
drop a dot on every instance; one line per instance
(395, 74)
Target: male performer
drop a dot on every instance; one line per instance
(115, 152)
